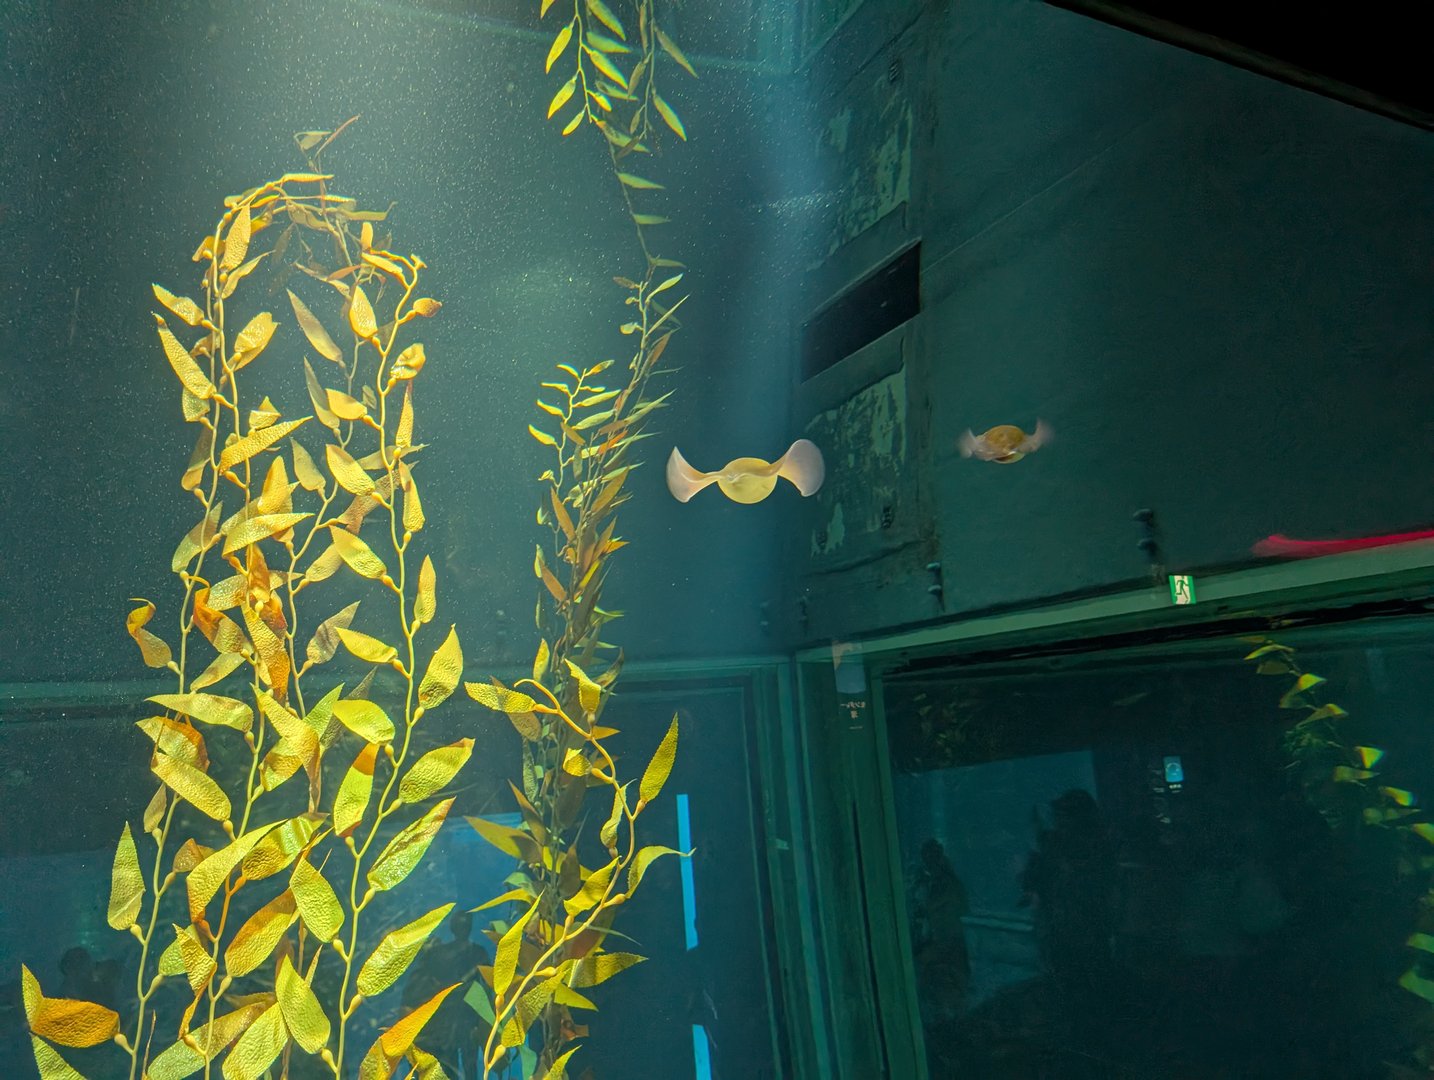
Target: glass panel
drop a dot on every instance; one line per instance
(1170, 862)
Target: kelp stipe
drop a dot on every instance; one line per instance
(554, 949)
(248, 722)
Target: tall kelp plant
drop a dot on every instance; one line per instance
(227, 828)
(590, 422)
(1339, 777)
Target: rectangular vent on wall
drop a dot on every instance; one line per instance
(877, 304)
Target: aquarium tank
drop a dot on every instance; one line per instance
(714, 539)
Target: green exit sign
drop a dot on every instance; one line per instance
(1182, 589)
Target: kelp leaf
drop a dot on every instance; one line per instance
(366, 648)
(319, 399)
(305, 471)
(642, 861)
(182, 306)
(559, 1069)
(191, 785)
(605, 16)
(592, 970)
(426, 602)
(314, 331)
(433, 771)
(236, 241)
(252, 340)
(669, 116)
(209, 873)
(561, 97)
(405, 850)
(499, 698)
(344, 406)
(361, 316)
(180, 1060)
(360, 558)
(1303, 683)
(444, 670)
(280, 847)
(251, 530)
(303, 1015)
(126, 883)
(325, 642)
(670, 47)
(318, 905)
(364, 718)
(152, 649)
(391, 957)
(542, 436)
(261, 932)
(355, 791)
(560, 43)
(589, 692)
(505, 960)
(193, 379)
(349, 473)
(257, 1048)
(396, 1041)
(638, 182)
(65, 1020)
(660, 767)
(197, 539)
(256, 442)
(208, 709)
(409, 363)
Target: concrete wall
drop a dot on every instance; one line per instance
(1213, 286)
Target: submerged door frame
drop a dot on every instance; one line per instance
(871, 1008)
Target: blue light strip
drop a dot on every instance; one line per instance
(701, 1054)
(689, 888)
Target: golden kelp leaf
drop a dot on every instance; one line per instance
(510, 841)
(365, 719)
(426, 602)
(252, 340)
(378, 1063)
(280, 847)
(279, 764)
(542, 436)
(1265, 649)
(321, 717)
(262, 931)
(642, 861)
(359, 556)
(366, 648)
(325, 642)
(413, 519)
(197, 539)
(607, 67)
(206, 877)
(546, 576)
(64, 1020)
(561, 97)
(190, 376)
(230, 283)
(236, 242)
(176, 739)
(607, 18)
(273, 656)
(199, 967)
(505, 960)
(593, 890)
(670, 47)
(427, 306)
(198, 460)
(530, 1006)
(575, 764)
(154, 651)
(180, 1060)
(650, 219)
(252, 530)
(499, 699)
(189, 855)
(638, 182)
(559, 1069)
(388, 266)
(1303, 683)
(607, 835)
(669, 283)
(49, 1062)
(540, 662)
(361, 317)
(305, 471)
(126, 883)
(191, 785)
(592, 970)
(660, 767)
(1368, 756)
(319, 399)
(182, 306)
(409, 363)
(560, 43)
(241, 450)
(390, 959)
(355, 791)
(589, 693)
(444, 670)
(318, 906)
(345, 406)
(208, 709)
(324, 567)
(403, 437)
(257, 1048)
(347, 471)
(303, 1015)
(154, 812)
(560, 513)
(432, 772)
(405, 850)
(1327, 712)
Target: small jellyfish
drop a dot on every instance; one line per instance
(1005, 443)
(749, 479)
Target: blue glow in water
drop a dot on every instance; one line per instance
(701, 1054)
(689, 887)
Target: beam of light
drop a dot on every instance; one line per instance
(689, 887)
(701, 1054)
